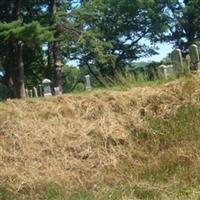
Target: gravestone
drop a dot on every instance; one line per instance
(165, 71)
(177, 61)
(31, 93)
(194, 56)
(47, 88)
(88, 86)
(35, 92)
(26, 92)
(57, 91)
(40, 90)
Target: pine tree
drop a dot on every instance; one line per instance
(15, 34)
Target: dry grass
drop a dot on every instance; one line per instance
(109, 143)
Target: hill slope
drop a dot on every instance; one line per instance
(138, 144)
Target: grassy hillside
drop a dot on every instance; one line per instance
(143, 143)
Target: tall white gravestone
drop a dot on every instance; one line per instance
(47, 88)
(177, 61)
(165, 71)
(35, 92)
(57, 91)
(88, 86)
(194, 56)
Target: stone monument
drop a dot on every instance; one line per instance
(35, 92)
(57, 91)
(165, 71)
(40, 90)
(47, 88)
(194, 56)
(88, 86)
(26, 92)
(177, 61)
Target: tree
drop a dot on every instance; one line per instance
(16, 34)
(185, 23)
(61, 22)
(37, 37)
(114, 34)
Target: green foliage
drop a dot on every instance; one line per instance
(184, 25)
(105, 36)
(112, 39)
(70, 76)
(82, 195)
(180, 125)
(6, 194)
(31, 33)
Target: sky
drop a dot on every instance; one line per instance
(164, 50)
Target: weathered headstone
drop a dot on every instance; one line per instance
(194, 56)
(165, 71)
(88, 86)
(31, 93)
(40, 90)
(177, 61)
(35, 92)
(57, 91)
(26, 91)
(47, 88)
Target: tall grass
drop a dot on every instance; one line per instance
(127, 80)
(139, 144)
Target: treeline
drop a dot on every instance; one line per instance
(39, 37)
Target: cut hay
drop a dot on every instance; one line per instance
(92, 140)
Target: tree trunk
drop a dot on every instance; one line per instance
(19, 72)
(14, 76)
(8, 72)
(57, 64)
(56, 52)
(10, 15)
(93, 73)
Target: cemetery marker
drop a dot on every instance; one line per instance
(194, 56)
(47, 88)
(177, 61)
(88, 86)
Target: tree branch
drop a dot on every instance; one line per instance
(130, 46)
(96, 77)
